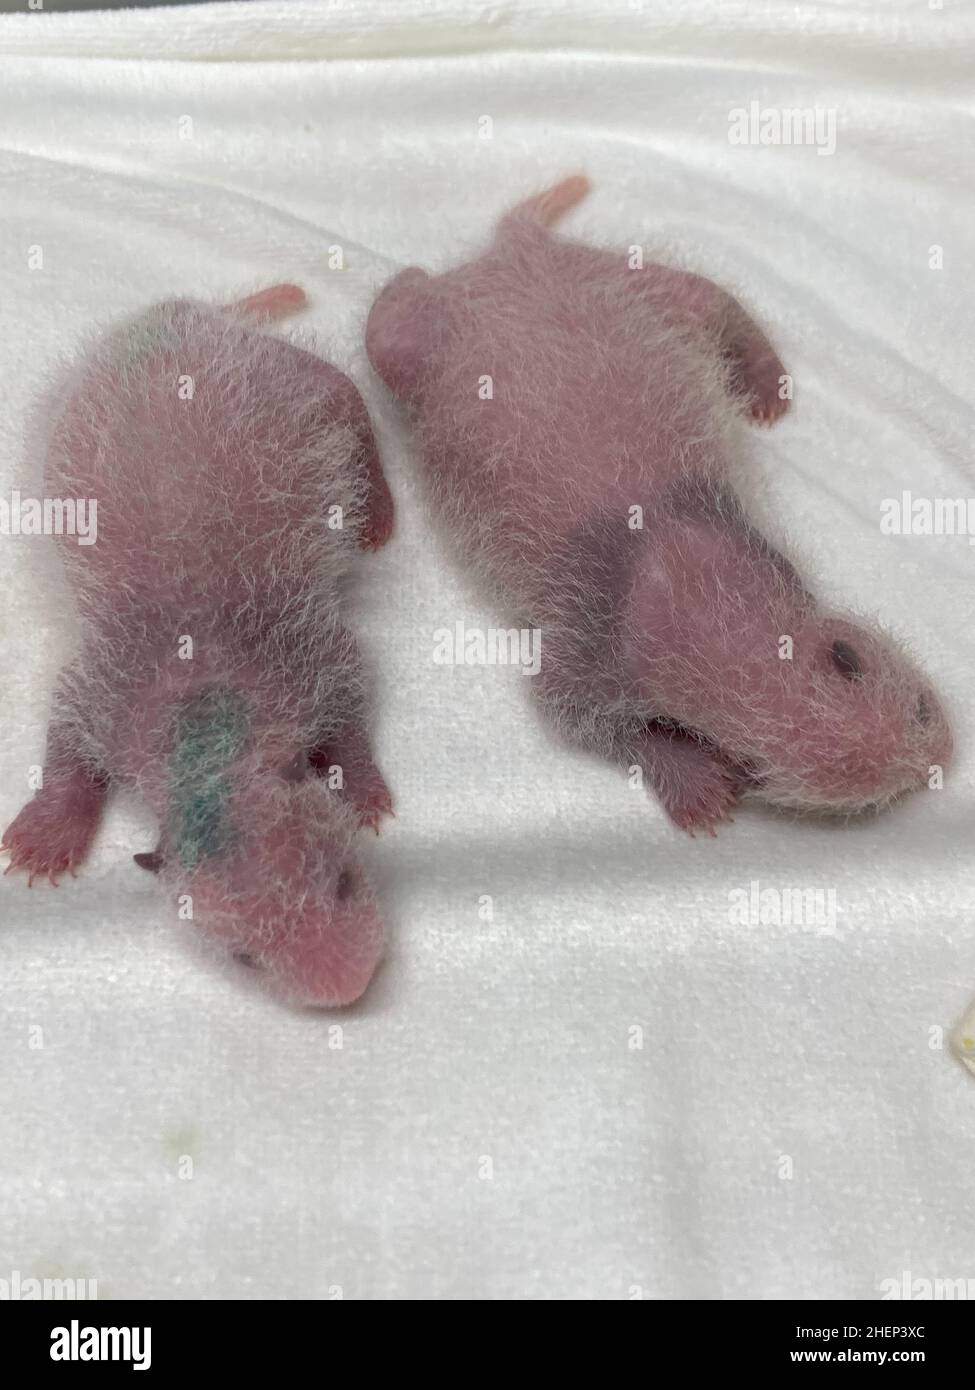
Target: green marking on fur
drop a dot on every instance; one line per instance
(210, 732)
(148, 335)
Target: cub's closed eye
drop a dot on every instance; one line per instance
(846, 661)
(345, 884)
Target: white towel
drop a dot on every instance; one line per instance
(576, 1075)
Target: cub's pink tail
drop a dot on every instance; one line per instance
(274, 303)
(548, 207)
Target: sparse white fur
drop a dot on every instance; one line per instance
(212, 656)
(613, 388)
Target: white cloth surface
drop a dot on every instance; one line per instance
(209, 151)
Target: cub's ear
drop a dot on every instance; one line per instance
(404, 330)
(153, 860)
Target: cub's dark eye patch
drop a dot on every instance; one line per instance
(346, 883)
(243, 958)
(846, 661)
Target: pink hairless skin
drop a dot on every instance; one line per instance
(236, 475)
(597, 490)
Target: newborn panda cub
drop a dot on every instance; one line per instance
(236, 477)
(598, 489)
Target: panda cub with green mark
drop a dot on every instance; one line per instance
(237, 477)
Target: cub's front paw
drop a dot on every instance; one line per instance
(53, 833)
(761, 381)
(704, 796)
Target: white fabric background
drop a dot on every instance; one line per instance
(614, 1169)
